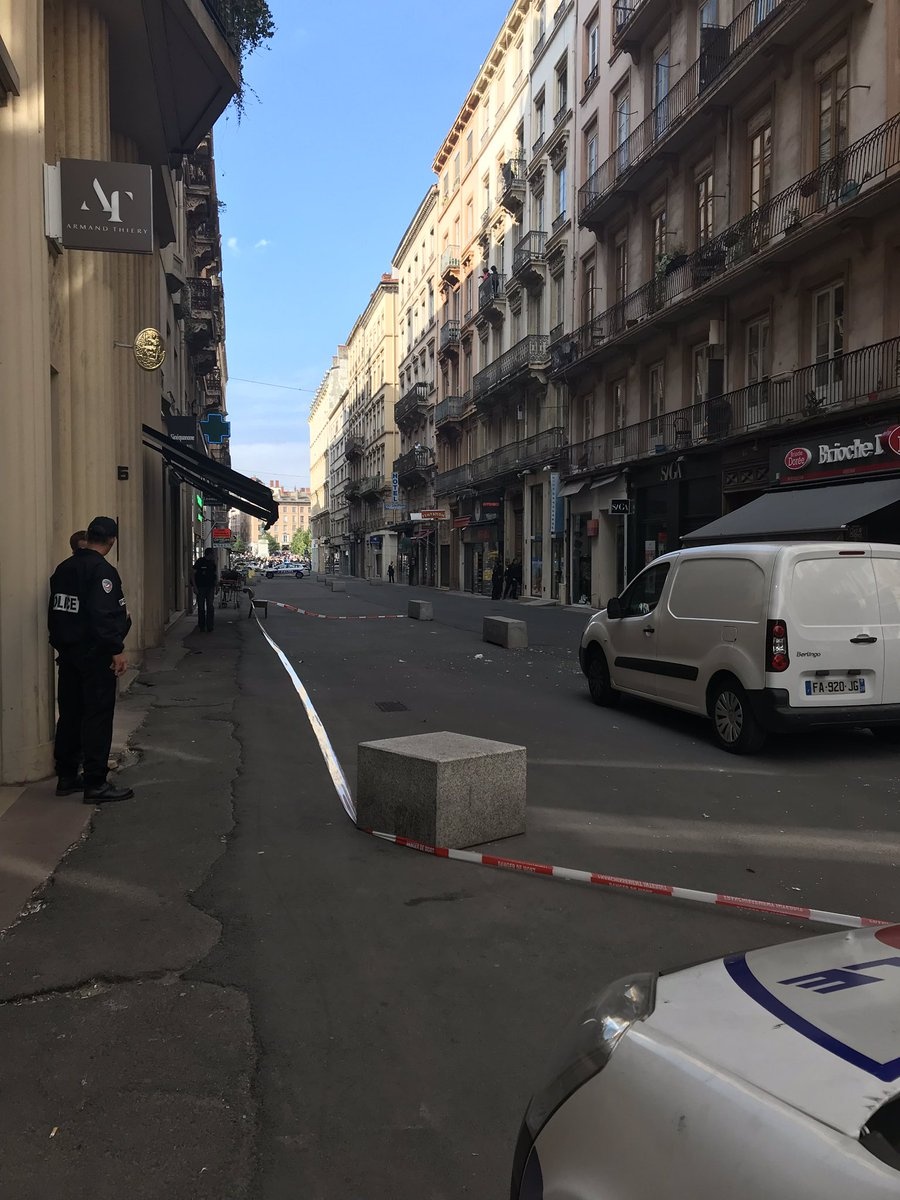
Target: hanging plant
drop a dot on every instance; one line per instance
(251, 26)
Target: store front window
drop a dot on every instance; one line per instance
(581, 559)
(537, 540)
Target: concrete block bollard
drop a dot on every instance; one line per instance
(445, 789)
(320, 578)
(375, 581)
(420, 610)
(338, 585)
(506, 632)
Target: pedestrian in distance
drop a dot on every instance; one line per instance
(497, 580)
(206, 576)
(508, 580)
(390, 572)
(517, 578)
(495, 281)
(88, 622)
(78, 540)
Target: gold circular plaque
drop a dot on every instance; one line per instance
(149, 351)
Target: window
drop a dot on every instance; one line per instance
(468, 147)
(620, 266)
(562, 90)
(833, 112)
(621, 120)
(558, 301)
(760, 166)
(642, 595)
(758, 363)
(703, 190)
(589, 290)
(708, 13)
(540, 25)
(470, 220)
(486, 116)
(592, 48)
(559, 192)
(537, 212)
(699, 372)
(456, 170)
(660, 91)
(591, 161)
(617, 412)
(828, 342)
(445, 184)
(539, 116)
(658, 235)
(520, 59)
(656, 400)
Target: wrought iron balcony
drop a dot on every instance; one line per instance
(200, 297)
(371, 485)
(528, 256)
(820, 196)
(519, 456)
(538, 145)
(845, 381)
(628, 15)
(416, 462)
(450, 264)
(449, 339)
(212, 382)
(512, 185)
(354, 446)
(352, 488)
(527, 355)
(451, 409)
(454, 480)
(410, 407)
(492, 297)
(197, 176)
(723, 49)
(224, 13)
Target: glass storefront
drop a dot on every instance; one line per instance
(537, 540)
(581, 559)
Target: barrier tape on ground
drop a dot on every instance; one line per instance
(570, 874)
(305, 612)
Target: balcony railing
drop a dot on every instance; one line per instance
(538, 146)
(591, 78)
(623, 11)
(512, 177)
(539, 44)
(531, 351)
(558, 221)
(814, 197)
(529, 250)
(486, 216)
(224, 13)
(490, 290)
(452, 408)
(450, 261)
(453, 480)
(352, 488)
(371, 485)
(723, 47)
(519, 455)
(560, 114)
(412, 404)
(212, 382)
(198, 175)
(417, 460)
(449, 334)
(200, 296)
(844, 381)
(354, 446)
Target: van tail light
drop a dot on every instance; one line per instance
(777, 641)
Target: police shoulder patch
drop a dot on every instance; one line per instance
(107, 585)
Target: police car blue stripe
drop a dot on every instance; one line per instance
(740, 972)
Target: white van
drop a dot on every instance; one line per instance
(757, 637)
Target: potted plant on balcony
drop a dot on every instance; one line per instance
(671, 261)
(792, 220)
(810, 185)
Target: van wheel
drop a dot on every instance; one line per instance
(734, 723)
(602, 691)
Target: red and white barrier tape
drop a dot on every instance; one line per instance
(304, 612)
(570, 874)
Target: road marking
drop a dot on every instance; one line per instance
(305, 612)
(620, 764)
(594, 878)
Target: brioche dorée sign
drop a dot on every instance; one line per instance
(860, 451)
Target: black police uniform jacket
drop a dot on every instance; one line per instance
(87, 605)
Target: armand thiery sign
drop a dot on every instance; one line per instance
(100, 205)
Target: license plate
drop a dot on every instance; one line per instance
(834, 687)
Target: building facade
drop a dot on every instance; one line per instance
(415, 268)
(371, 441)
(78, 405)
(294, 505)
(328, 512)
(738, 178)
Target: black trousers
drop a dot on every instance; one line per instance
(86, 694)
(206, 609)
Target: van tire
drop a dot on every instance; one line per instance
(735, 726)
(602, 691)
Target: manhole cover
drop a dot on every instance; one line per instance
(391, 706)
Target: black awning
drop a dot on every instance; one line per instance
(807, 511)
(214, 479)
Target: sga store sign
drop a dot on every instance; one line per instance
(854, 452)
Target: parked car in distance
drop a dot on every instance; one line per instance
(758, 638)
(296, 569)
(763, 1076)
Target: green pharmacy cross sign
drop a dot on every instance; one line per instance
(215, 429)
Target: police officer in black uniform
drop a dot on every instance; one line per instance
(88, 622)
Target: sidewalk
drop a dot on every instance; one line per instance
(129, 1077)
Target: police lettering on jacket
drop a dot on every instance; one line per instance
(87, 605)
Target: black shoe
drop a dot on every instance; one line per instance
(68, 785)
(106, 793)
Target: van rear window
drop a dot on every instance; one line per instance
(834, 591)
(718, 589)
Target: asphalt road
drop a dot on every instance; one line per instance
(404, 1007)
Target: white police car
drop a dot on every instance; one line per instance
(296, 569)
(770, 1075)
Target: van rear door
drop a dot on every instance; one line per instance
(833, 620)
(887, 577)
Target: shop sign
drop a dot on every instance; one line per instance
(430, 514)
(557, 507)
(461, 522)
(376, 540)
(182, 430)
(621, 508)
(395, 486)
(106, 205)
(593, 527)
(221, 534)
(855, 452)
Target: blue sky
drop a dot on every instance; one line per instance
(320, 180)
